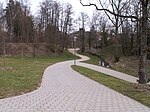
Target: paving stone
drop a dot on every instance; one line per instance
(65, 90)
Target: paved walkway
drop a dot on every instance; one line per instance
(107, 71)
(104, 70)
(65, 90)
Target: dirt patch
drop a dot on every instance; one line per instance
(130, 65)
(7, 68)
(142, 88)
(29, 49)
(17, 49)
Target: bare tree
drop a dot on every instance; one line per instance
(54, 24)
(83, 18)
(19, 22)
(49, 23)
(118, 7)
(1, 21)
(100, 23)
(2, 34)
(67, 22)
(127, 38)
(143, 39)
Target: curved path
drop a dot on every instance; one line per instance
(104, 70)
(64, 90)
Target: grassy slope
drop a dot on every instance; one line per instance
(135, 91)
(26, 74)
(128, 65)
(125, 66)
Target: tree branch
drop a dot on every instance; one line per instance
(91, 4)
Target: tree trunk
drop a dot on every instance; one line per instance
(90, 36)
(82, 37)
(142, 68)
(4, 51)
(116, 55)
(143, 54)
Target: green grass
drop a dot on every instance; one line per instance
(26, 74)
(105, 53)
(93, 59)
(109, 51)
(128, 65)
(138, 92)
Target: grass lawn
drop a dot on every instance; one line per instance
(93, 59)
(138, 92)
(128, 65)
(25, 75)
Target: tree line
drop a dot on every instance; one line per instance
(51, 25)
(131, 22)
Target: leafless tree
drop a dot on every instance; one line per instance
(127, 37)
(83, 18)
(54, 24)
(19, 22)
(143, 20)
(100, 23)
(1, 22)
(118, 7)
(3, 34)
(67, 22)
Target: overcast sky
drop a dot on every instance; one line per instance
(75, 3)
(77, 7)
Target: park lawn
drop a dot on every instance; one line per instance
(128, 65)
(141, 93)
(25, 75)
(93, 59)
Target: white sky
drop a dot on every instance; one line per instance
(77, 7)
